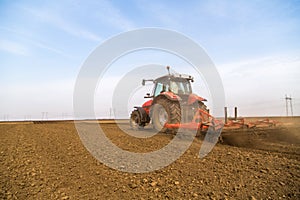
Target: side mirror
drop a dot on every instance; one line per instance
(144, 81)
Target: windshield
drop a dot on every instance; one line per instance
(178, 87)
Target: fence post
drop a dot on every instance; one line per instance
(225, 111)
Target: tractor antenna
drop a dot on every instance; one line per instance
(168, 68)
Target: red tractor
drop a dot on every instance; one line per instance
(172, 106)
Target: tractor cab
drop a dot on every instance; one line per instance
(172, 85)
(177, 85)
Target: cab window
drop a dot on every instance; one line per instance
(160, 87)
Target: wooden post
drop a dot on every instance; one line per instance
(235, 113)
(225, 111)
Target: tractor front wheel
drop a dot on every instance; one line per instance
(135, 120)
(165, 111)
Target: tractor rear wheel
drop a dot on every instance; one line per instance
(135, 120)
(165, 111)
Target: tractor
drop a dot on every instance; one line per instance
(172, 105)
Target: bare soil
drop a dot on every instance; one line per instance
(48, 161)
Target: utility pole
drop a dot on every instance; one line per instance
(291, 105)
(44, 115)
(6, 117)
(287, 101)
(112, 113)
(64, 116)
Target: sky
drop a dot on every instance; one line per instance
(255, 46)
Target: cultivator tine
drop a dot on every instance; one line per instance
(217, 125)
(211, 137)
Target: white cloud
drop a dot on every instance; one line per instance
(266, 67)
(258, 86)
(110, 15)
(28, 38)
(74, 21)
(162, 13)
(49, 48)
(13, 47)
(56, 20)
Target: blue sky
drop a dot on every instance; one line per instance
(254, 44)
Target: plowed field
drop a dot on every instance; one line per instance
(48, 161)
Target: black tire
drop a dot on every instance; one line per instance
(165, 111)
(135, 121)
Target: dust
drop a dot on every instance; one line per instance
(264, 139)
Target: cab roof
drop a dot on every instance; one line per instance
(175, 77)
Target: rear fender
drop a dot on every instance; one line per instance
(193, 98)
(169, 95)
